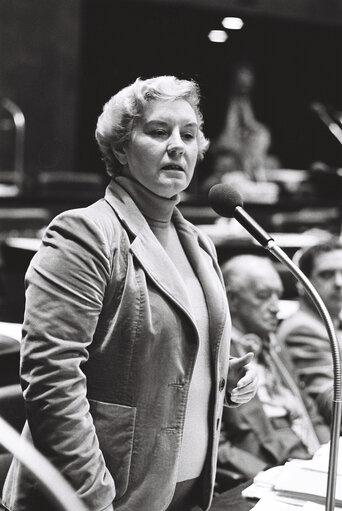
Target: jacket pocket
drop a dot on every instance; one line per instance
(114, 426)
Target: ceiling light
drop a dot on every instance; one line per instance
(232, 23)
(218, 36)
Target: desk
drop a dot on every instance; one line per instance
(288, 214)
(232, 500)
(231, 239)
(17, 253)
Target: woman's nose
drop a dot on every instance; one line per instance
(176, 144)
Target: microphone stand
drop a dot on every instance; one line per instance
(54, 485)
(336, 402)
(224, 195)
(329, 122)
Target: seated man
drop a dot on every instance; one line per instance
(304, 332)
(280, 422)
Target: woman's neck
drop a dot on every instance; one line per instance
(156, 209)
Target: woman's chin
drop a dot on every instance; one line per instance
(172, 185)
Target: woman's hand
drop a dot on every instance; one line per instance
(242, 379)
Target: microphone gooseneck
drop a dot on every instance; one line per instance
(227, 202)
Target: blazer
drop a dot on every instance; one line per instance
(109, 345)
(249, 442)
(307, 341)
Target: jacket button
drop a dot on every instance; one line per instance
(222, 384)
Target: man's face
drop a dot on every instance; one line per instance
(326, 277)
(256, 305)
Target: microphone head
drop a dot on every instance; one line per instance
(224, 199)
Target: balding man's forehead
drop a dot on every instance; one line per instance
(244, 270)
(255, 269)
(261, 276)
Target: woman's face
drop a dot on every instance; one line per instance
(163, 149)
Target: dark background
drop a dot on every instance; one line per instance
(61, 60)
(295, 62)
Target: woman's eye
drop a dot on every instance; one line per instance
(188, 136)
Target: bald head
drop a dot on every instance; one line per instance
(253, 287)
(239, 271)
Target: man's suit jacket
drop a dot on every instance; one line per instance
(308, 343)
(249, 443)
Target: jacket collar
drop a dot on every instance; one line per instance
(309, 309)
(156, 263)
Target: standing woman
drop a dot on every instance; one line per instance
(126, 334)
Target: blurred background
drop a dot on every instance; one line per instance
(61, 60)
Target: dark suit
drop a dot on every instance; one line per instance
(250, 442)
(307, 341)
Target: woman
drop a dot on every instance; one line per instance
(126, 332)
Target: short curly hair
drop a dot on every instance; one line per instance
(121, 112)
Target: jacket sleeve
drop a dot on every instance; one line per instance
(240, 448)
(324, 403)
(65, 283)
(317, 418)
(242, 464)
(311, 357)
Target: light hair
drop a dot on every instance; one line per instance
(237, 270)
(121, 112)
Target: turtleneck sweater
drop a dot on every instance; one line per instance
(158, 212)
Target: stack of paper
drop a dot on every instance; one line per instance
(306, 481)
(299, 485)
(12, 330)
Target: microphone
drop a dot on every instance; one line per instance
(227, 202)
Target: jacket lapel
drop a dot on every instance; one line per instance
(207, 270)
(147, 249)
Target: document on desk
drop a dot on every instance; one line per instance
(321, 458)
(307, 481)
(313, 506)
(297, 485)
(272, 502)
(12, 330)
(263, 483)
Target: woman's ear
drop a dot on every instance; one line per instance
(120, 155)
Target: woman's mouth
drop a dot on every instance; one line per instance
(173, 166)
